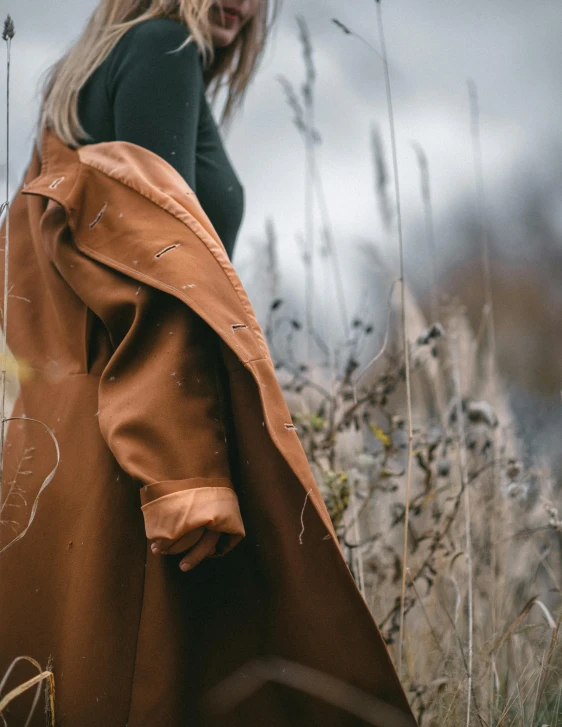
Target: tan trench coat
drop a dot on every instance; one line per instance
(146, 360)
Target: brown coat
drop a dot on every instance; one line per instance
(146, 360)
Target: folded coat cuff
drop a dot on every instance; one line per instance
(167, 487)
(174, 508)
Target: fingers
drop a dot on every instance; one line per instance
(228, 542)
(201, 543)
(219, 549)
(171, 547)
(204, 547)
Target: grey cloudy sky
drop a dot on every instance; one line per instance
(511, 48)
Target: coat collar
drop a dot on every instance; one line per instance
(199, 271)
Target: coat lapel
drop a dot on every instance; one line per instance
(110, 191)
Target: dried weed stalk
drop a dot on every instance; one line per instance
(17, 493)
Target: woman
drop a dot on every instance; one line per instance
(138, 75)
(148, 88)
(147, 365)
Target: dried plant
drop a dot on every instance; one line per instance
(359, 445)
(7, 35)
(475, 608)
(16, 493)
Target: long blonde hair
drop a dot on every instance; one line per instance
(236, 62)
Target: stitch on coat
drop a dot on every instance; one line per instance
(98, 217)
(100, 257)
(188, 219)
(167, 249)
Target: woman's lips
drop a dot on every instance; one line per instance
(230, 16)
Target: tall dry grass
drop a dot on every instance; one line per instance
(10, 493)
(475, 601)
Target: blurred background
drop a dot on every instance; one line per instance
(509, 50)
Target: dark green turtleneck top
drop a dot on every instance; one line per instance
(146, 95)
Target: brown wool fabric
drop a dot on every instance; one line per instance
(147, 362)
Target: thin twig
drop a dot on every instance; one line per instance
(302, 516)
(404, 330)
(329, 236)
(7, 35)
(426, 616)
(382, 348)
(429, 226)
(468, 551)
(488, 321)
(547, 660)
(34, 681)
(308, 105)
(45, 482)
(482, 216)
(347, 30)
(357, 550)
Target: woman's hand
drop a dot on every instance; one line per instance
(200, 542)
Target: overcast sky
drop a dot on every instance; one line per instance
(510, 48)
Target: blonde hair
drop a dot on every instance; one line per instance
(236, 62)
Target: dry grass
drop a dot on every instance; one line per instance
(483, 606)
(357, 448)
(10, 371)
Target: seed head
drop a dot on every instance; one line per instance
(343, 27)
(9, 30)
(436, 330)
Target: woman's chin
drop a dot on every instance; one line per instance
(222, 37)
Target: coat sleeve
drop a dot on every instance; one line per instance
(160, 399)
